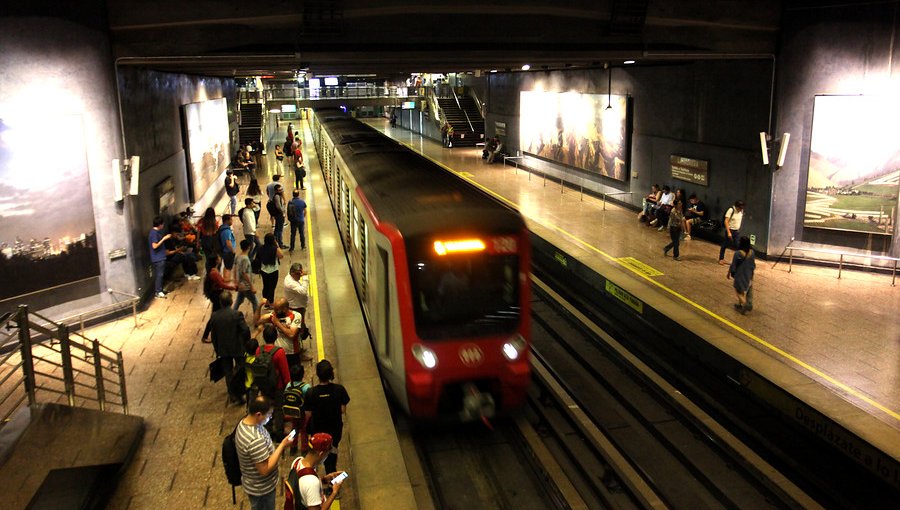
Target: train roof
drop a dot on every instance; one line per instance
(410, 191)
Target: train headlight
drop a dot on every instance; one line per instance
(514, 348)
(425, 356)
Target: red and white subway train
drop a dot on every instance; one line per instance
(441, 270)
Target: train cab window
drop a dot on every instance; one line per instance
(463, 294)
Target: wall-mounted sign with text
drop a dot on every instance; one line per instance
(499, 128)
(690, 170)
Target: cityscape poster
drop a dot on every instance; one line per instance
(854, 165)
(47, 235)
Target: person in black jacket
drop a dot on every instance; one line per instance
(324, 407)
(229, 335)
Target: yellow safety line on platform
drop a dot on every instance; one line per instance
(839, 385)
(313, 279)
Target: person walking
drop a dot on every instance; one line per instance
(296, 291)
(229, 333)
(324, 408)
(243, 277)
(734, 217)
(255, 193)
(257, 454)
(232, 188)
(208, 226)
(743, 265)
(248, 225)
(297, 216)
(227, 245)
(676, 219)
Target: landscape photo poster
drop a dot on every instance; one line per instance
(854, 165)
(586, 131)
(47, 234)
(207, 144)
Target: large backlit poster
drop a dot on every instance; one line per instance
(208, 148)
(47, 236)
(854, 164)
(586, 131)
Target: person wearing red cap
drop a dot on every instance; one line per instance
(309, 490)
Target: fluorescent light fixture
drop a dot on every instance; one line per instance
(315, 83)
(526, 67)
(764, 147)
(783, 151)
(331, 82)
(493, 70)
(628, 62)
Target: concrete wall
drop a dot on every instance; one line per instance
(710, 110)
(151, 112)
(846, 49)
(55, 65)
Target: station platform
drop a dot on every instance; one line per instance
(178, 464)
(834, 344)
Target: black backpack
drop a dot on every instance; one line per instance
(263, 369)
(292, 405)
(231, 462)
(273, 210)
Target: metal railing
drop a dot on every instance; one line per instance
(841, 262)
(344, 92)
(44, 360)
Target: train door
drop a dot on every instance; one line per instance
(345, 202)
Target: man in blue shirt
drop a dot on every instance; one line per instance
(227, 242)
(158, 254)
(297, 217)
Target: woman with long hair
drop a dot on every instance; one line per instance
(269, 256)
(208, 226)
(254, 192)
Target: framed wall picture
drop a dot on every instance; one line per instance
(165, 196)
(207, 146)
(854, 165)
(585, 131)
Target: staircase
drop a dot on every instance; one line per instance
(250, 130)
(468, 125)
(62, 442)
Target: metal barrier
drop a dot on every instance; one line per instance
(841, 255)
(616, 193)
(50, 359)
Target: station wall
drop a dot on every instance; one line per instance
(709, 110)
(62, 66)
(151, 113)
(847, 49)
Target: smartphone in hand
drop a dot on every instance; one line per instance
(340, 478)
(292, 435)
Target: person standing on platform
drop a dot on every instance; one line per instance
(449, 135)
(270, 188)
(309, 491)
(297, 216)
(676, 218)
(733, 219)
(229, 333)
(208, 226)
(287, 324)
(299, 170)
(279, 154)
(232, 188)
(278, 211)
(743, 265)
(248, 225)
(269, 257)
(296, 291)
(444, 127)
(158, 254)
(243, 277)
(257, 454)
(324, 407)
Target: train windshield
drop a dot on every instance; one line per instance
(467, 293)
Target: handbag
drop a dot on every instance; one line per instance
(216, 370)
(303, 333)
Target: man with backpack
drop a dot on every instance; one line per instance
(256, 454)
(225, 244)
(292, 407)
(732, 220)
(271, 374)
(302, 486)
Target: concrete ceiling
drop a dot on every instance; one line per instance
(278, 37)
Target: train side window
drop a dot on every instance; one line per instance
(384, 305)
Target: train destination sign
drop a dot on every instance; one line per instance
(690, 170)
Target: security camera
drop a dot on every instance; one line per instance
(764, 147)
(782, 152)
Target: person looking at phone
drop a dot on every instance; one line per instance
(258, 455)
(310, 489)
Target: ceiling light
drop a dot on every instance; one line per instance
(526, 67)
(493, 70)
(628, 62)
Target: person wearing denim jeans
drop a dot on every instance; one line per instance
(734, 216)
(157, 243)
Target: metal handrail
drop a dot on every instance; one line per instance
(471, 126)
(615, 193)
(29, 369)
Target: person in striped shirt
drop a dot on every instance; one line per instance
(257, 454)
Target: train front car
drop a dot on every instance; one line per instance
(469, 294)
